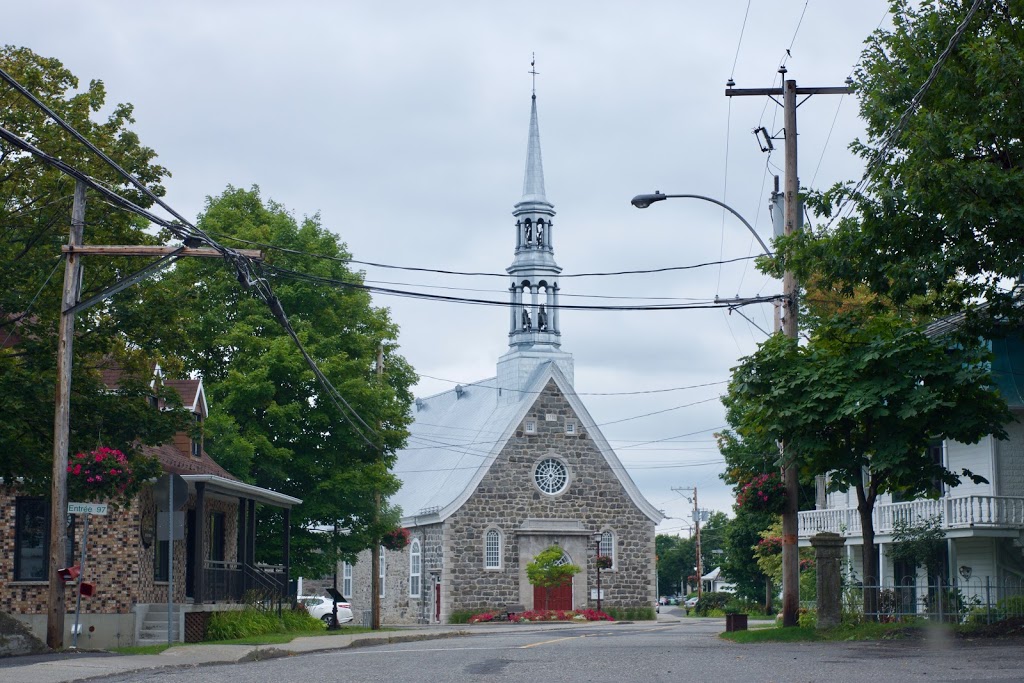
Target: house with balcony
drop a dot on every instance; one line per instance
(983, 523)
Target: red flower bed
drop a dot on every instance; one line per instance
(545, 615)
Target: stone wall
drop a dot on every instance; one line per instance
(507, 498)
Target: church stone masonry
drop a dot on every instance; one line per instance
(496, 471)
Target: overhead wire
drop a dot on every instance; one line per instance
(182, 229)
(890, 138)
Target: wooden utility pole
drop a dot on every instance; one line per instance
(696, 526)
(696, 534)
(791, 291)
(61, 422)
(375, 559)
(73, 266)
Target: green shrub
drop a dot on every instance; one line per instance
(255, 622)
(462, 616)
(711, 602)
(807, 618)
(1012, 606)
(633, 613)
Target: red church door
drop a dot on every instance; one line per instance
(557, 598)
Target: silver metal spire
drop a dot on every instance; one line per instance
(533, 180)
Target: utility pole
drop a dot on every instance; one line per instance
(375, 556)
(61, 422)
(790, 550)
(70, 305)
(696, 534)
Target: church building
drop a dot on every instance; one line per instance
(501, 469)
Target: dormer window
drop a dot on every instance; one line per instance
(197, 435)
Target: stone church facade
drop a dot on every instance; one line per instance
(498, 470)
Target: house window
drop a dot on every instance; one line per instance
(197, 435)
(346, 579)
(530, 425)
(32, 539)
(608, 546)
(380, 575)
(570, 427)
(492, 549)
(551, 476)
(415, 568)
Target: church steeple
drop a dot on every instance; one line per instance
(534, 332)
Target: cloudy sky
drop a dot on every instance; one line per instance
(404, 125)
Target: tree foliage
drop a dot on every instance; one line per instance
(935, 227)
(270, 421)
(35, 211)
(861, 401)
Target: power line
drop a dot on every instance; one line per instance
(184, 230)
(581, 393)
(297, 275)
(891, 137)
(441, 271)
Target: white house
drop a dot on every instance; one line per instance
(983, 523)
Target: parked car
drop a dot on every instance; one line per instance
(323, 608)
(691, 602)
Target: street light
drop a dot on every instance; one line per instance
(790, 515)
(642, 201)
(597, 562)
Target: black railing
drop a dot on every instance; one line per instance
(263, 585)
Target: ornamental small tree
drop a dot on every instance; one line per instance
(548, 571)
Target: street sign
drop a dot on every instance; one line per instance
(177, 529)
(180, 492)
(87, 508)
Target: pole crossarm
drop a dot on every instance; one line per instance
(740, 92)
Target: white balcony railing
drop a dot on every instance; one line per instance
(993, 512)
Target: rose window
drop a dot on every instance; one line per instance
(551, 476)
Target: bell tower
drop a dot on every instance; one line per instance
(534, 334)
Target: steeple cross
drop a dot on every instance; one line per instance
(533, 71)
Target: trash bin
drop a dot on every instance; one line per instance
(735, 622)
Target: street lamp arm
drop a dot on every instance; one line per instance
(642, 201)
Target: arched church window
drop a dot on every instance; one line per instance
(542, 319)
(608, 546)
(527, 323)
(492, 549)
(540, 232)
(529, 231)
(415, 568)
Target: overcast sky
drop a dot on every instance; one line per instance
(404, 125)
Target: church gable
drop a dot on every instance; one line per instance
(550, 483)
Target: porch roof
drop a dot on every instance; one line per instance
(217, 484)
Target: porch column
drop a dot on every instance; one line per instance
(881, 565)
(287, 555)
(250, 558)
(198, 544)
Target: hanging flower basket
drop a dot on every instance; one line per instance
(763, 493)
(107, 474)
(396, 539)
(604, 562)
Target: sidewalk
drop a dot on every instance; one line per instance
(74, 666)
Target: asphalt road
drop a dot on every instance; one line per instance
(685, 651)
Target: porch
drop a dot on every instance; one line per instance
(965, 512)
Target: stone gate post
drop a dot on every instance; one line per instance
(828, 548)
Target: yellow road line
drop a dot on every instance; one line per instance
(548, 642)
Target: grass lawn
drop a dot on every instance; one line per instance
(778, 634)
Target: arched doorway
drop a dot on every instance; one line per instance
(558, 597)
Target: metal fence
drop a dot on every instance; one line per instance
(981, 600)
(238, 582)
